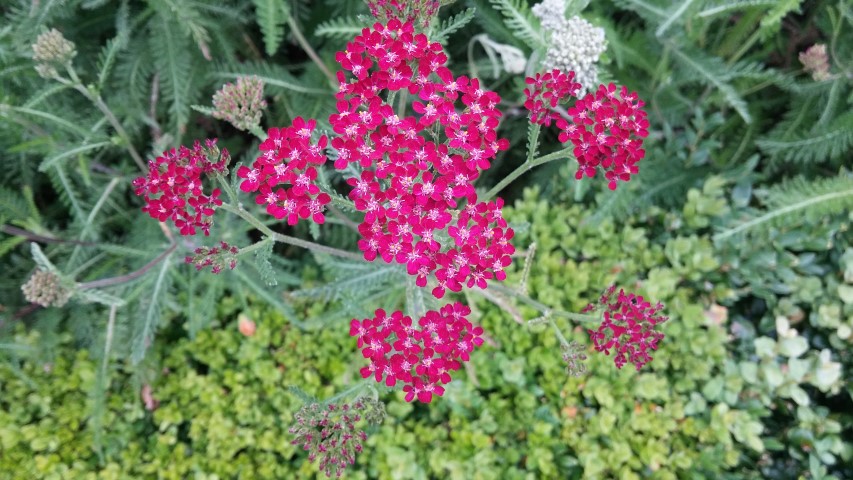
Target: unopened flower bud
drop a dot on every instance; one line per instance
(46, 289)
(241, 104)
(816, 62)
(246, 326)
(52, 49)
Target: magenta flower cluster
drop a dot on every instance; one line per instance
(627, 328)
(418, 171)
(285, 173)
(607, 130)
(173, 188)
(545, 92)
(420, 356)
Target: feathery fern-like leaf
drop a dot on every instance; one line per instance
(174, 64)
(342, 28)
(271, 15)
(150, 312)
(829, 144)
(712, 70)
(520, 19)
(793, 201)
(730, 6)
(452, 25)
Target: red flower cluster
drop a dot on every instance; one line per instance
(546, 92)
(421, 356)
(173, 188)
(418, 168)
(288, 152)
(627, 328)
(409, 10)
(216, 258)
(607, 130)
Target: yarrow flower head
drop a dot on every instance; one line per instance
(45, 288)
(52, 49)
(816, 62)
(627, 328)
(416, 169)
(284, 175)
(217, 258)
(333, 433)
(173, 189)
(420, 356)
(607, 129)
(415, 11)
(575, 45)
(241, 104)
(545, 91)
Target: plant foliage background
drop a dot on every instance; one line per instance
(739, 221)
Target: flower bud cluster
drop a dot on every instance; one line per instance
(173, 189)
(415, 11)
(575, 43)
(816, 62)
(52, 49)
(419, 356)
(289, 158)
(241, 104)
(607, 129)
(574, 356)
(627, 328)
(333, 433)
(415, 170)
(217, 258)
(46, 289)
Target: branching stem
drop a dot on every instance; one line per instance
(524, 167)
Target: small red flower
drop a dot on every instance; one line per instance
(546, 91)
(628, 328)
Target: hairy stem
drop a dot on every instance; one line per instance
(96, 99)
(108, 282)
(281, 238)
(524, 167)
(297, 33)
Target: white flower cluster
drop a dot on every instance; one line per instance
(575, 43)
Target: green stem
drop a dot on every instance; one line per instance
(297, 33)
(357, 387)
(542, 308)
(96, 99)
(258, 132)
(524, 167)
(281, 238)
(255, 246)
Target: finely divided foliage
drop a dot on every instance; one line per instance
(362, 140)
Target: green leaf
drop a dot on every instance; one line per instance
(150, 312)
(712, 71)
(271, 17)
(520, 19)
(49, 162)
(174, 63)
(343, 28)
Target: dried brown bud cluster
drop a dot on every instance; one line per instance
(816, 62)
(46, 289)
(241, 104)
(333, 434)
(52, 49)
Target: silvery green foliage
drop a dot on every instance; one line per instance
(575, 43)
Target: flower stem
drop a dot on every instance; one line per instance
(281, 238)
(96, 99)
(297, 33)
(108, 282)
(541, 307)
(524, 167)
